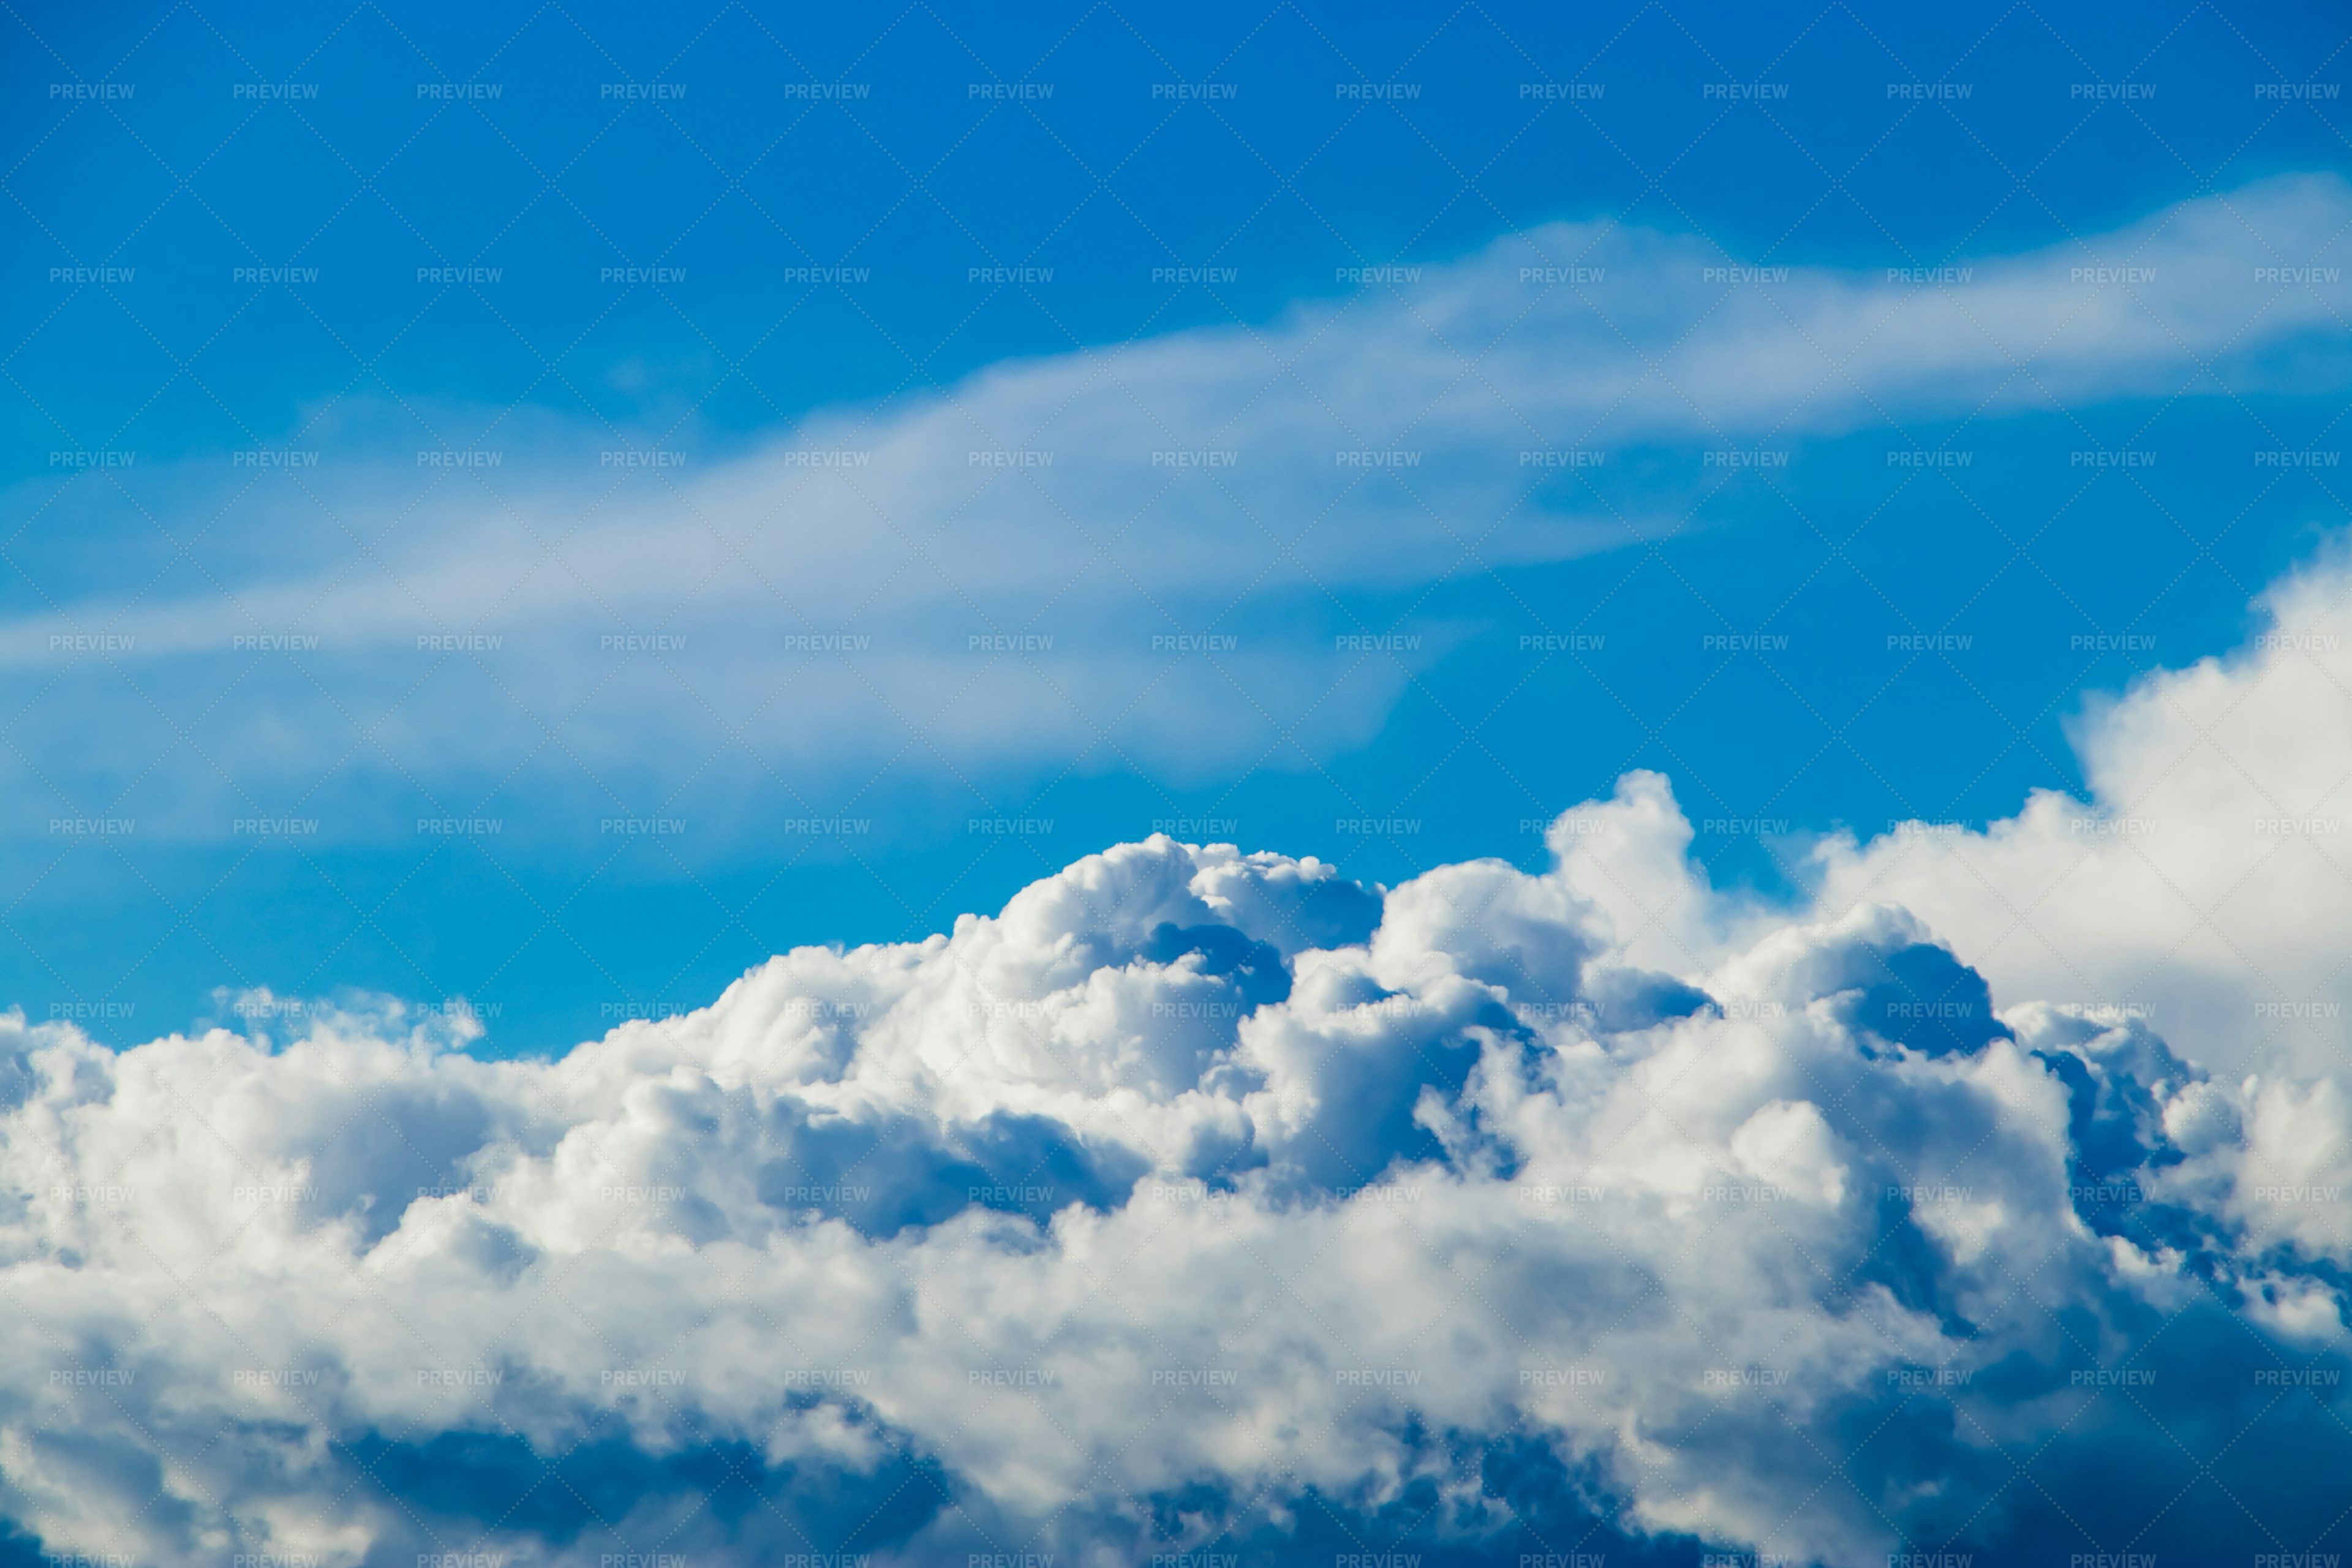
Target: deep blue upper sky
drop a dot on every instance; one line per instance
(244, 232)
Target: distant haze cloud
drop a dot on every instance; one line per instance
(1127, 554)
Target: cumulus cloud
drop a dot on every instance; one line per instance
(978, 576)
(2203, 882)
(1200, 1203)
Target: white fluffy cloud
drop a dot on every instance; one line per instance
(1198, 1195)
(2205, 882)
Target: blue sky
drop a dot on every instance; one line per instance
(746, 179)
(791, 783)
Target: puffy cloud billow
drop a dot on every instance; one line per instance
(1207, 1207)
